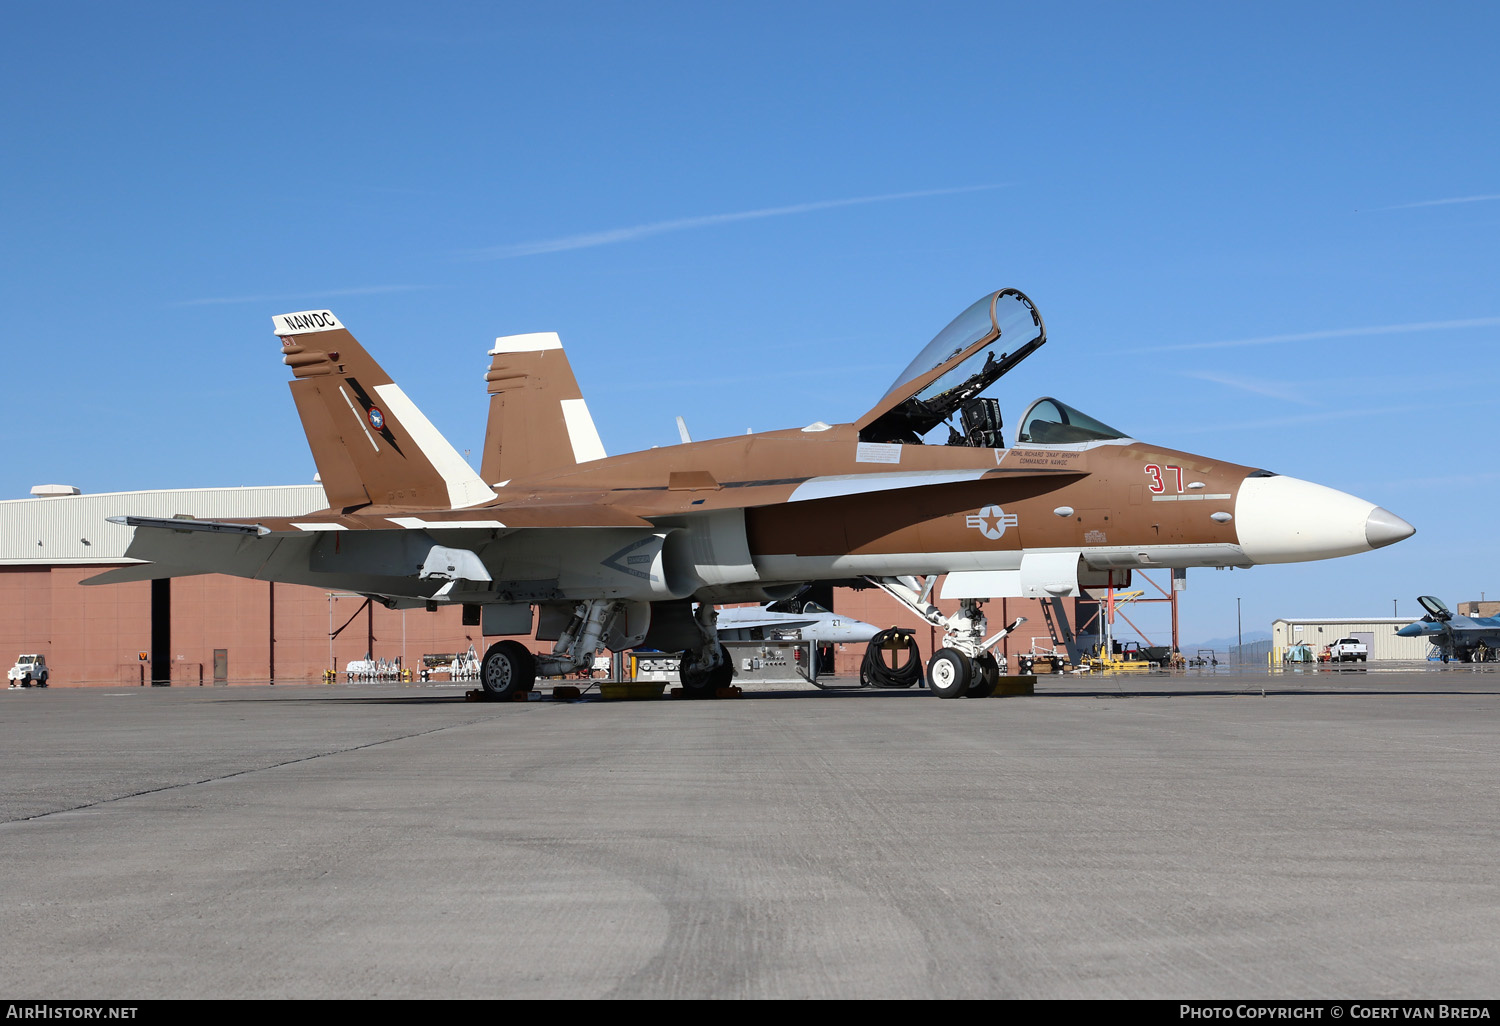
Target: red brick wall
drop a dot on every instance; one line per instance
(92, 635)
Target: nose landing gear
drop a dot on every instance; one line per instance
(964, 666)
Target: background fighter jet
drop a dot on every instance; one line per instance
(1465, 638)
(792, 618)
(592, 552)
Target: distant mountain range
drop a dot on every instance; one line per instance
(1224, 644)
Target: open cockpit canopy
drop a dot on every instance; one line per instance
(1435, 608)
(943, 385)
(946, 378)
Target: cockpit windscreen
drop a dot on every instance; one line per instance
(1049, 422)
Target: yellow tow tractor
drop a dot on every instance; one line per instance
(1127, 657)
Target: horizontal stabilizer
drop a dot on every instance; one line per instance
(140, 572)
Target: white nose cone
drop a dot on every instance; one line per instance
(1287, 520)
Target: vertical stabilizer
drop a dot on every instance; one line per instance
(370, 442)
(538, 418)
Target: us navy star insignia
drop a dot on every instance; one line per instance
(991, 521)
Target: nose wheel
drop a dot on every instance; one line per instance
(986, 677)
(949, 673)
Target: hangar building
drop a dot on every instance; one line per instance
(1378, 633)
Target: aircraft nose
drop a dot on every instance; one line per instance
(1288, 520)
(1382, 528)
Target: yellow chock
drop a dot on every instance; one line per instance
(1024, 684)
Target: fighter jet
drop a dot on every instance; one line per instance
(792, 618)
(1465, 638)
(558, 541)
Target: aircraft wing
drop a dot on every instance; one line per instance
(185, 524)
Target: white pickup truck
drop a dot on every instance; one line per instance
(1348, 650)
(29, 670)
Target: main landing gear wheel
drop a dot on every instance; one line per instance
(507, 669)
(698, 683)
(986, 677)
(949, 673)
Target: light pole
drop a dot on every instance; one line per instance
(1239, 653)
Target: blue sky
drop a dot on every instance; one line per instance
(1263, 232)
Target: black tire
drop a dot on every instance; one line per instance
(949, 673)
(508, 668)
(706, 683)
(986, 677)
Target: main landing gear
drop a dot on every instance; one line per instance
(705, 670)
(508, 669)
(964, 666)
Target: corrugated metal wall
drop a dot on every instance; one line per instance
(73, 528)
(1318, 633)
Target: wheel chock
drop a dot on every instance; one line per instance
(1025, 684)
(481, 695)
(566, 691)
(632, 689)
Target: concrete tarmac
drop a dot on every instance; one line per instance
(1189, 836)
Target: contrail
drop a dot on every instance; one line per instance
(1445, 202)
(1310, 336)
(640, 231)
(289, 297)
(1272, 389)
